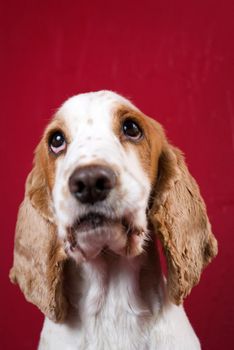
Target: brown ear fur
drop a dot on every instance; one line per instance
(38, 255)
(39, 182)
(180, 220)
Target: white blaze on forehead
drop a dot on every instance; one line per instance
(89, 120)
(93, 108)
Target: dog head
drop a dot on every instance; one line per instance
(105, 175)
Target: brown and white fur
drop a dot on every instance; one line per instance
(101, 286)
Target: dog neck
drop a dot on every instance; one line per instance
(111, 282)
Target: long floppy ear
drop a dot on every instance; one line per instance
(38, 255)
(179, 217)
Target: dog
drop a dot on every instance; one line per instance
(105, 188)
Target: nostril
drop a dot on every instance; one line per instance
(80, 186)
(102, 184)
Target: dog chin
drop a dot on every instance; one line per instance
(90, 235)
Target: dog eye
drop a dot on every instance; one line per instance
(57, 142)
(131, 129)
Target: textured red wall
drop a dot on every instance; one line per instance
(175, 59)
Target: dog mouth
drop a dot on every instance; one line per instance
(92, 221)
(93, 232)
(97, 221)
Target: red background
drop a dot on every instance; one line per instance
(175, 59)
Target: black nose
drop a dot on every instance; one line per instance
(92, 183)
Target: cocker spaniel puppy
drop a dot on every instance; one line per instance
(105, 186)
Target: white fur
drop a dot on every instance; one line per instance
(110, 313)
(116, 302)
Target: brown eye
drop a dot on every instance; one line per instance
(131, 129)
(57, 142)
